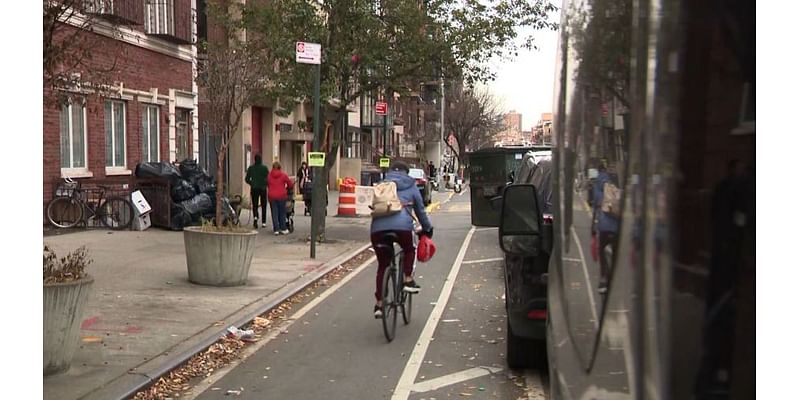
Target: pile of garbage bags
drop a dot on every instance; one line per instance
(192, 190)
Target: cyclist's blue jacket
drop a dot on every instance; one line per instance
(605, 222)
(411, 198)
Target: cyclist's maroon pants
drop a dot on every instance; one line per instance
(406, 241)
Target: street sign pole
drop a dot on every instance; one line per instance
(316, 193)
(311, 53)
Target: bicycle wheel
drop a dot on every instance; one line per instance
(115, 213)
(389, 303)
(64, 212)
(405, 297)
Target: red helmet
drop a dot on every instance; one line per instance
(425, 249)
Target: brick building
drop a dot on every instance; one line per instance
(512, 134)
(147, 109)
(543, 131)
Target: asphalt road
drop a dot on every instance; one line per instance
(453, 347)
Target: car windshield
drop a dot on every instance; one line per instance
(416, 173)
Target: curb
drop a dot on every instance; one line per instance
(136, 379)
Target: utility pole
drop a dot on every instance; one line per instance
(441, 140)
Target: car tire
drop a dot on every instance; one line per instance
(524, 353)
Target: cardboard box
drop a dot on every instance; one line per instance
(141, 222)
(140, 204)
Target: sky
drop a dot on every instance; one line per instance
(525, 84)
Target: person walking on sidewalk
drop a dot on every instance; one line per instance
(279, 183)
(304, 186)
(257, 179)
(401, 224)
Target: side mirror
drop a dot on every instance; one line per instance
(520, 230)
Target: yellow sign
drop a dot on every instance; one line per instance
(316, 159)
(384, 162)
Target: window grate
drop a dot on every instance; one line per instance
(160, 17)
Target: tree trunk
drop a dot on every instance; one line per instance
(220, 185)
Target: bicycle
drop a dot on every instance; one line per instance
(72, 203)
(394, 296)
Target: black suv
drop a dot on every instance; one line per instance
(526, 236)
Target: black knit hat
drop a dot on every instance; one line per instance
(400, 166)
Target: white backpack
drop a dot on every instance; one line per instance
(612, 197)
(385, 200)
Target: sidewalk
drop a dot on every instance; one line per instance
(144, 316)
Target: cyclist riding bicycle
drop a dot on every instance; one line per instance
(401, 224)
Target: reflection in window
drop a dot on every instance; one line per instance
(73, 134)
(150, 138)
(115, 133)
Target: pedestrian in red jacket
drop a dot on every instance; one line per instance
(278, 183)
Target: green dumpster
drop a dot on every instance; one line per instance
(489, 171)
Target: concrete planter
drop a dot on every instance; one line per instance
(218, 258)
(63, 311)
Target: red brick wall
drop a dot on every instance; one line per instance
(137, 68)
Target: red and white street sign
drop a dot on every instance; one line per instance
(308, 53)
(380, 107)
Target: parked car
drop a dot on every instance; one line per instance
(527, 246)
(423, 183)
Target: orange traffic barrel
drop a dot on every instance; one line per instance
(347, 200)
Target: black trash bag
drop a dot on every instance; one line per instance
(161, 169)
(182, 190)
(179, 217)
(204, 184)
(189, 169)
(198, 205)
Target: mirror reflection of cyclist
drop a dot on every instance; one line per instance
(605, 225)
(401, 224)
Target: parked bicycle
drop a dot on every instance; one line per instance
(394, 296)
(73, 205)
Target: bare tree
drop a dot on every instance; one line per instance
(472, 118)
(70, 46)
(232, 78)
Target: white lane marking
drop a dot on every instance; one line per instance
(534, 383)
(451, 379)
(485, 229)
(274, 332)
(406, 382)
(485, 260)
(589, 287)
(575, 260)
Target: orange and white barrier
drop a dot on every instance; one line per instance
(364, 196)
(347, 201)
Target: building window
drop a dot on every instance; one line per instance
(159, 17)
(73, 135)
(182, 134)
(150, 136)
(202, 21)
(115, 134)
